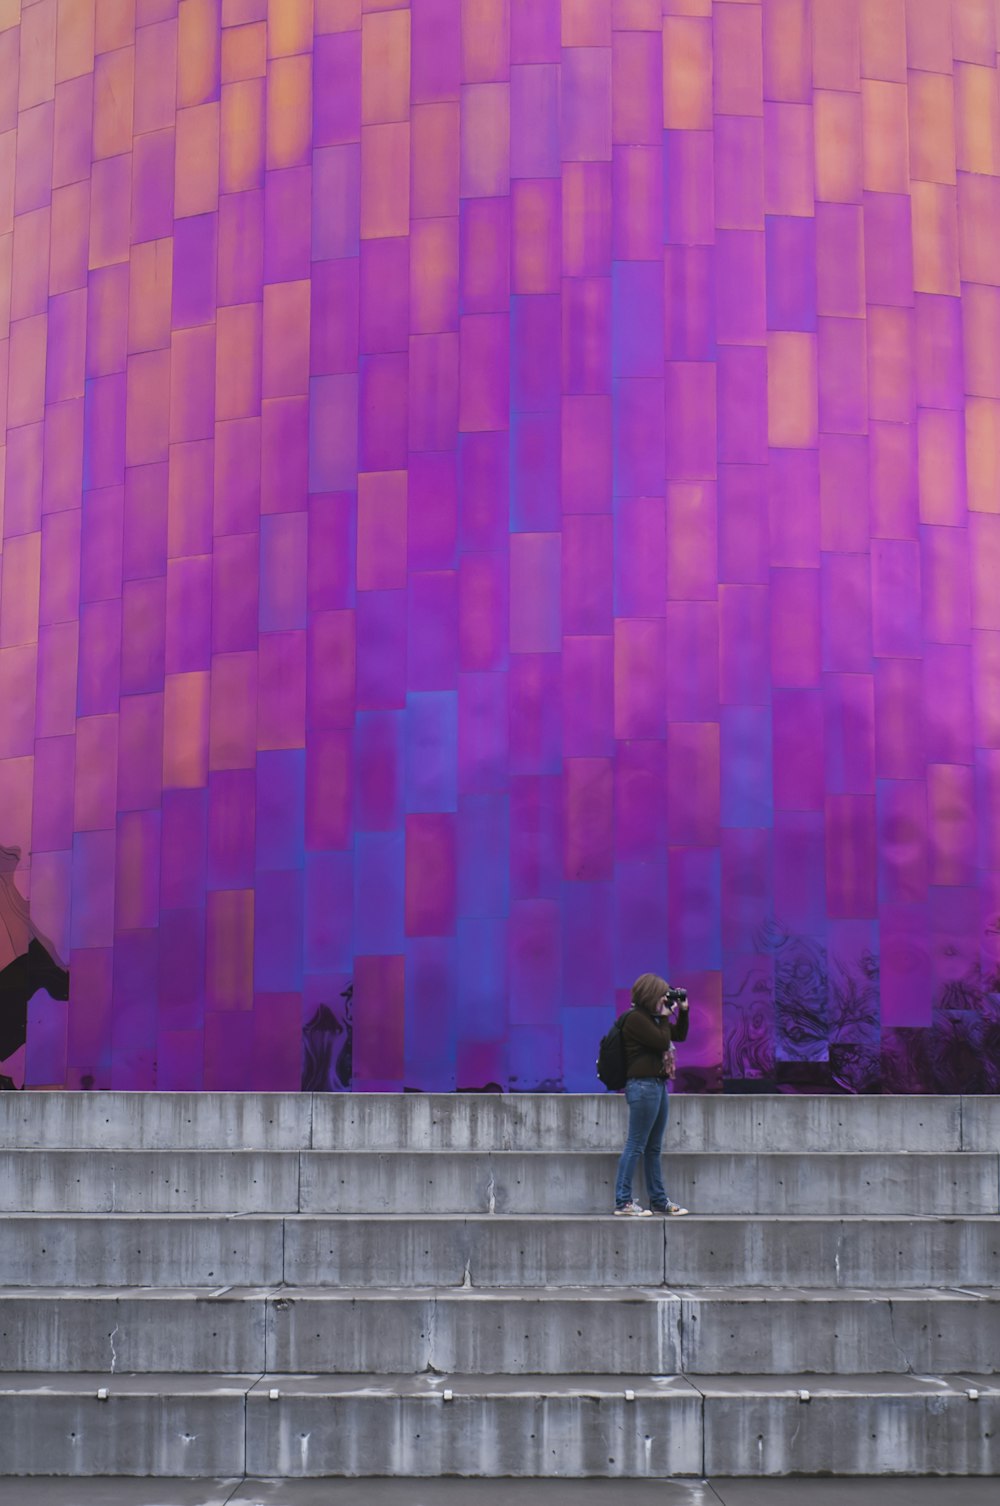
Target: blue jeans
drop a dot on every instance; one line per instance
(647, 1119)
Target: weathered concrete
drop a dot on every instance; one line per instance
(772, 1331)
(474, 1333)
(193, 1426)
(457, 1182)
(81, 1250)
(106, 1490)
(503, 1425)
(484, 1250)
(483, 1121)
(124, 1331)
(901, 1425)
(157, 1121)
(120, 1181)
(708, 1182)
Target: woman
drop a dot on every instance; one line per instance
(649, 1030)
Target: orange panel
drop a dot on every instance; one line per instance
(385, 180)
(836, 36)
(739, 62)
(150, 287)
(229, 947)
(386, 67)
(941, 466)
(687, 8)
(26, 397)
(934, 211)
(687, 73)
(979, 228)
(982, 453)
(890, 364)
(792, 401)
(974, 31)
(837, 124)
(434, 276)
(241, 146)
(436, 157)
(114, 79)
(286, 339)
(74, 38)
(72, 131)
(381, 530)
(787, 51)
(932, 127)
(244, 52)
(156, 77)
(192, 385)
(535, 235)
(29, 282)
(981, 339)
(147, 407)
(289, 27)
(196, 176)
(37, 76)
(977, 119)
(883, 40)
(789, 159)
(185, 730)
(928, 35)
(637, 15)
(233, 736)
(115, 24)
(198, 44)
(289, 111)
(337, 15)
(886, 137)
(586, 23)
(237, 361)
(110, 210)
(485, 41)
(21, 562)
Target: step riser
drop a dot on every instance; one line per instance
(487, 1336)
(157, 1252)
(786, 1184)
(125, 1435)
(549, 1122)
(675, 1434)
(512, 1252)
(855, 1435)
(495, 1252)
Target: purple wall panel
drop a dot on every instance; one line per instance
(499, 499)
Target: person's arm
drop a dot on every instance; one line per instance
(679, 1029)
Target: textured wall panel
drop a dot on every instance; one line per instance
(494, 499)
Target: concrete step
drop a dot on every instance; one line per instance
(558, 1331)
(793, 1491)
(478, 1121)
(431, 1425)
(353, 1250)
(574, 1182)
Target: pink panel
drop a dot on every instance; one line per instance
(589, 795)
(795, 628)
(430, 875)
(952, 824)
(693, 783)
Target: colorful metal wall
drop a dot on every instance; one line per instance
(500, 495)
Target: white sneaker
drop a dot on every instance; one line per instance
(633, 1210)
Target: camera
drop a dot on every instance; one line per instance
(676, 996)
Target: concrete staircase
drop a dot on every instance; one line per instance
(293, 1285)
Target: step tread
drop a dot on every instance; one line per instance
(479, 1294)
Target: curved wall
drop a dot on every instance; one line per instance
(499, 496)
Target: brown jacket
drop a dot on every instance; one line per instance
(647, 1037)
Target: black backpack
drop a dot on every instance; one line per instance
(612, 1068)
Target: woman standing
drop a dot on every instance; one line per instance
(649, 1030)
